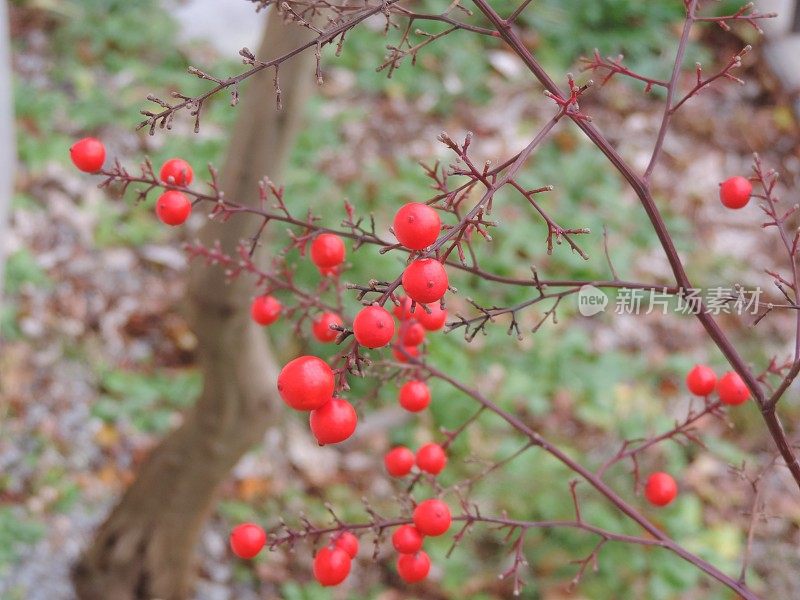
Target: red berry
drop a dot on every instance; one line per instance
(373, 327)
(331, 566)
(432, 517)
(403, 310)
(321, 327)
(431, 458)
(660, 489)
(398, 461)
(88, 154)
(732, 389)
(333, 422)
(415, 396)
(348, 542)
(412, 351)
(412, 333)
(433, 320)
(327, 251)
(416, 225)
(407, 539)
(173, 208)
(306, 383)
(265, 310)
(247, 540)
(425, 280)
(176, 171)
(701, 380)
(413, 567)
(735, 192)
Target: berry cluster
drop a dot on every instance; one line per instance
(327, 254)
(307, 383)
(430, 458)
(661, 488)
(416, 319)
(172, 207)
(310, 384)
(731, 389)
(332, 563)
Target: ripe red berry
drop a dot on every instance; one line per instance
(415, 396)
(348, 542)
(373, 327)
(412, 333)
(425, 280)
(247, 540)
(177, 171)
(403, 310)
(88, 154)
(331, 566)
(327, 251)
(701, 380)
(321, 327)
(416, 225)
(306, 383)
(660, 489)
(732, 389)
(333, 422)
(735, 192)
(431, 458)
(413, 567)
(433, 320)
(407, 539)
(265, 310)
(173, 208)
(398, 461)
(432, 517)
(400, 356)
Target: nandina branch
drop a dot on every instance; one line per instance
(746, 14)
(725, 73)
(614, 66)
(630, 449)
(767, 179)
(457, 237)
(641, 188)
(164, 118)
(596, 482)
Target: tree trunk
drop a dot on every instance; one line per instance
(145, 547)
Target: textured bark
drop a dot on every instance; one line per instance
(145, 547)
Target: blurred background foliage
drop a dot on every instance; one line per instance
(95, 62)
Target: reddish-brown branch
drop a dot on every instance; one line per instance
(683, 42)
(768, 180)
(641, 187)
(457, 238)
(746, 14)
(614, 66)
(725, 73)
(163, 118)
(682, 428)
(598, 484)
